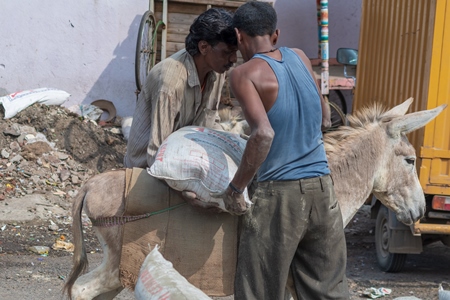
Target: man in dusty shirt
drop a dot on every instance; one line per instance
(183, 89)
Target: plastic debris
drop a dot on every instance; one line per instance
(91, 112)
(376, 292)
(62, 245)
(9, 187)
(42, 250)
(38, 137)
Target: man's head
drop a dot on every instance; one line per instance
(212, 36)
(255, 19)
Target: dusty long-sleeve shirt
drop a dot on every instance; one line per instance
(171, 98)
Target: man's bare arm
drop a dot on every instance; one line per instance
(260, 140)
(258, 144)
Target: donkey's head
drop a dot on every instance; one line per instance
(396, 183)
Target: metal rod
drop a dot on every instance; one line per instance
(423, 228)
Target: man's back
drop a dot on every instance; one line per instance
(295, 116)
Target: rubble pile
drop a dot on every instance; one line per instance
(48, 149)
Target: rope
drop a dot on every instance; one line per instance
(121, 220)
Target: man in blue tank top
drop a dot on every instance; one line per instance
(294, 227)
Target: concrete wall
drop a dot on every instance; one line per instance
(87, 47)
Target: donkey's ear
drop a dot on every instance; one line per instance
(400, 109)
(410, 122)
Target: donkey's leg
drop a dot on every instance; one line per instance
(109, 295)
(97, 284)
(103, 282)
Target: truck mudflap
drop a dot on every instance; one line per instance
(401, 240)
(404, 239)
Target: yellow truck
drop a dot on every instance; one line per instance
(404, 51)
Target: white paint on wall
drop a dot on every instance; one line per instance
(87, 47)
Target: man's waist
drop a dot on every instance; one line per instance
(303, 182)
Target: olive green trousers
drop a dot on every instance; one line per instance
(293, 226)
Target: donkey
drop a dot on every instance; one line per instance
(370, 155)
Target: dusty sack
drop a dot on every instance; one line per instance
(159, 280)
(16, 102)
(200, 160)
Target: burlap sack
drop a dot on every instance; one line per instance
(201, 246)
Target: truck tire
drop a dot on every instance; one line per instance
(388, 262)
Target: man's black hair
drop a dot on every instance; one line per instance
(255, 18)
(213, 26)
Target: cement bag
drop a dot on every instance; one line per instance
(159, 280)
(200, 160)
(16, 102)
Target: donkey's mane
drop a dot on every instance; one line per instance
(361, 121)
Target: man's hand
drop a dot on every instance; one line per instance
(326, 116)
(326, 124)
(234, 202)
(191, 199)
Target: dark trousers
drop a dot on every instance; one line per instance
(293, 226)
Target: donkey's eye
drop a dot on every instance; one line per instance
(410, 160)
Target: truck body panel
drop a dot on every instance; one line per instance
(404, 51)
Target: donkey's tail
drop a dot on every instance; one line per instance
(80, 261)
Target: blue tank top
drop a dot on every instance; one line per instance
(297, 149)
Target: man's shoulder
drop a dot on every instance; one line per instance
(296, 50)
(299, 52)
(174, 67)
(181, 57)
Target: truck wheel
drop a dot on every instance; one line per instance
(388, 262)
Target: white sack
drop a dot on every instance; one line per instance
(200, 160)
(159, 280)
(443, 294)
(16, 102)
(126, 126)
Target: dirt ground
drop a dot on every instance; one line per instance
(83, 148)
